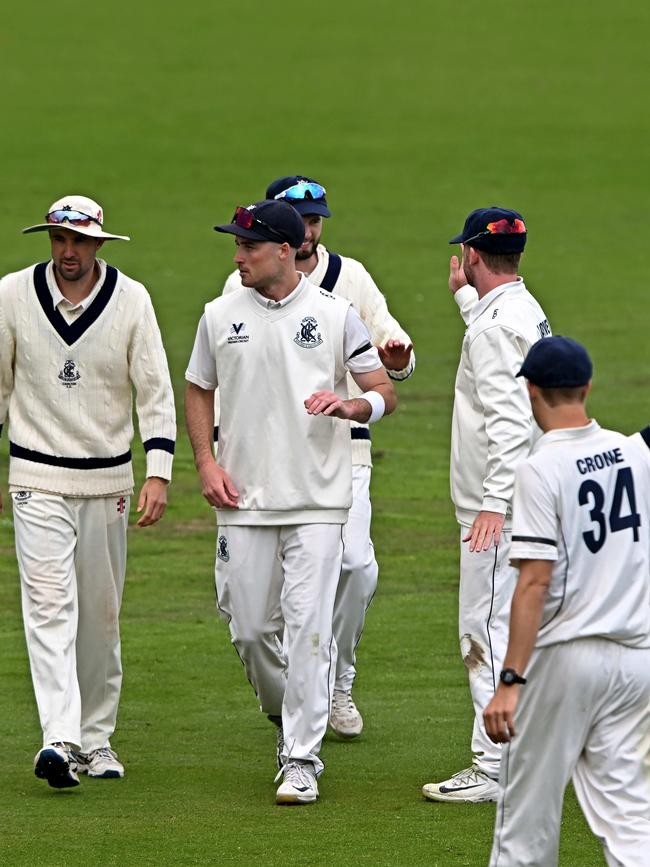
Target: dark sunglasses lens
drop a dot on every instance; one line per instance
(243, 218)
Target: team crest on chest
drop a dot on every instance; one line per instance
(69, 375)
(309, 336)
(237, 333)
(222, 549)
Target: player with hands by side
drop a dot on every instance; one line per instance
(76, 338)
(573, 701)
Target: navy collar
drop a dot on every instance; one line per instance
(71, 332)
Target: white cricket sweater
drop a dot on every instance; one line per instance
(492, 425)
(356, 285)
(68, 387)
(289, 467)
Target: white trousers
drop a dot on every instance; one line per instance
(487, 583)
(277, 585)
(585, 714)
(72, 560)
(358, 579)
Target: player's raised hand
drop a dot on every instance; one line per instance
(153, 499)
(485, 532)
(217, 487)
(456, 275)
(499, 715)
(394, 354)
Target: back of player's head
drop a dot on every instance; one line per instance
(557, 362)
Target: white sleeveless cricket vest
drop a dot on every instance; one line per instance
(289, 467)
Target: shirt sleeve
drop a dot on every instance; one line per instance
(496, 355)
(535, 530)
(359, 353)
(202, 368)
(7, 348)
(154, 401)
(382, 326)
(466, 297)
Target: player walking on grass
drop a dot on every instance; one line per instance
(492, 431)
(579, 628)
(76, 336)
(349, 279)
(278, 349)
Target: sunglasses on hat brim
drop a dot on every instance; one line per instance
(303, 190)
(501, 227)
(75, 218)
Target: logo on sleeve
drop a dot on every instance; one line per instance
(309, 336)
(69, 376)
(236, 334)
(222, 549)
(21, 497)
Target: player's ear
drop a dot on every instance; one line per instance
(284, 251)
(586, 391)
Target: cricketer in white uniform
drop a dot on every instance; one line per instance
(579, 629)
(76, 336)
(349, 279)
(279, 349)
(492, 431)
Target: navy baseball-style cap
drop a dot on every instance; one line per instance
(557, 362)
(494, 230)
(305, 194)
(267, 221)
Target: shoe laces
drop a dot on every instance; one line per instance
(298, 774)
(342, 701)
(103, 753)
(468, 775)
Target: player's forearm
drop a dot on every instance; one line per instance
(361, 409)
(199, 417)
(526, 612)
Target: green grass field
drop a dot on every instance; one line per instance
(411, 114)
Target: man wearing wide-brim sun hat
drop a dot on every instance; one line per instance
(77, 336)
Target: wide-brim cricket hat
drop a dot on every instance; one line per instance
(493, 230)
(79, 214)
(267, 220)
(557, 362)
(305, 194)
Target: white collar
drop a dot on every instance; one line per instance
(483, 303)
(270, 304)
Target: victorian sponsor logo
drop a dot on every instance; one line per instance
(237, 334)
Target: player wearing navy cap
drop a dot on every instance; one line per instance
(279, 349)
(492, 430)
(573, 700)
(348, 278)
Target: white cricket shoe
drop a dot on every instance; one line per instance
(102, 764)
(470, 786)
(56, 764)
(345, 719)
(299, 785)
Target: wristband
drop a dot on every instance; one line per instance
(377, 403)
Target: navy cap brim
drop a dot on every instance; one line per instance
(234, 229)
(309, 206)
(458, 239)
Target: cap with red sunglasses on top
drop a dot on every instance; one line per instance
(267, 221)
(79, 214)
(493, 230)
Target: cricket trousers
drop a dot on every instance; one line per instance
(487, 583)
(358, 579)
(584, 714)
(72, 559)
(276, 587)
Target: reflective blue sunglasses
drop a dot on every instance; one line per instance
(302, 190)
